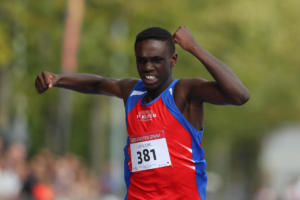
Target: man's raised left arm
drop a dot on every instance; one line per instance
(227, 87)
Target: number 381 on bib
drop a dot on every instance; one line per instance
(149, 152)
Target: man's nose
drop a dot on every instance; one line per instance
(148, 65)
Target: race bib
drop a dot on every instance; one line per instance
(149, 151)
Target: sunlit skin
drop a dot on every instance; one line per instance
(154, 64)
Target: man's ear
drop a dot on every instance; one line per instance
(174, 59)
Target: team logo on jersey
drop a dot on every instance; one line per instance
(146, 115)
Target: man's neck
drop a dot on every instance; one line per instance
(152, 94)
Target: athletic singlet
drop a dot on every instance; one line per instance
(164, 158)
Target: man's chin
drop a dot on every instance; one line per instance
(150, 86)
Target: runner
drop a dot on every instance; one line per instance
(164, 158)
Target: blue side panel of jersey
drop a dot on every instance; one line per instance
(127, 172)
(132, 100)
(196, 135)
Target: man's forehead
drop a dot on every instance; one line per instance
(152, 46)
(152, 42)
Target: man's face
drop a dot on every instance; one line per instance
(154, 63)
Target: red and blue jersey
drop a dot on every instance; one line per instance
(164, 158)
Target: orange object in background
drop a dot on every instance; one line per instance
(42, 192)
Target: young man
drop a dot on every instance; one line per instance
(164, 158)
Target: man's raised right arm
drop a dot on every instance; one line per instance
(85, 83)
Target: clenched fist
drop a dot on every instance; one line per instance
(184, 38)
(45, 81)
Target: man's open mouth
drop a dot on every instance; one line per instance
(150, 77)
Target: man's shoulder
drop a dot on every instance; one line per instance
(185, 87)
(127, 85)
(186, 83)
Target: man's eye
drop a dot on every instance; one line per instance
(141, 60)
(156, 60)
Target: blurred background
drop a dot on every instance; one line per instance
(66, 145)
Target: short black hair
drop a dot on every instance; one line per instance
(158, 34)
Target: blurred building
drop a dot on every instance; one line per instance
(280, 162)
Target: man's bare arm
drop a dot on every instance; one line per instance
(85, 83)
(227, 87)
